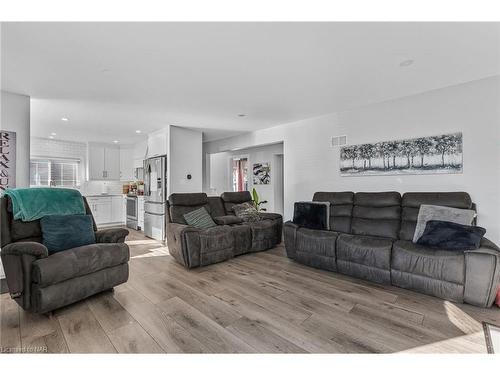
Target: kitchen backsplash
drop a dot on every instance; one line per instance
(100, 187)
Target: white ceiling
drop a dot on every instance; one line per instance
(111, 79)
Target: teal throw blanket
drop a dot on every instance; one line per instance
(34, 203)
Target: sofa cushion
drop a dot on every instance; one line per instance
(263, 235)
(365, 250)
(199, 218)
(216, 244)
(316, 248)
(451, 236)
(62, 232)
(79, 261)
(216, 206)
(431, 212)
(431, 263)
(228, 220)
(411, 202)
(377, 214)
(341, 204)
(231, 198)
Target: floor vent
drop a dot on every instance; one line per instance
(339, 140)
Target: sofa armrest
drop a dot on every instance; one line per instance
(111, 235)
(17, 259)
(228, 220)
(482, 274)
(290, 231)
(184, 244)
(270, 216)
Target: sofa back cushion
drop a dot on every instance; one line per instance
(377, 214)
(341, 204)
(411, 204)
(17, 230)
(234, 197)
(180, 204)
(216, 206)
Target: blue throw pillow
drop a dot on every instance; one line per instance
(63, 232)
(451, 236)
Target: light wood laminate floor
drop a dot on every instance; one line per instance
(261, 302)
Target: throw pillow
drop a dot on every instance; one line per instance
(451, 236)
(200, 219)
(63, 232)
(441, 213)
(312, 215)
(247, 212)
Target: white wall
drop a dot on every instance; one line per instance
(311, 164)
(184, 157)
(15, 117)
(221, 177)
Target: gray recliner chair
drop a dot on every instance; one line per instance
(40, 282)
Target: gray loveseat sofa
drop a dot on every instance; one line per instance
(194, 247)
(40, 282)
(370, 237)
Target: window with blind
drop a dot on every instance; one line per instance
(54, 172)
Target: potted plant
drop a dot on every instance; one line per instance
(257, 202)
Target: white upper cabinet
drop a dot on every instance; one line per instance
(157, 143)
(96, 161)
(127, 164)
(104, 161)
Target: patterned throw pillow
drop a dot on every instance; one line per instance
(200, 219)
(247, 212)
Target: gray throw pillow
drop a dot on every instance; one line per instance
(429, 212)
(247, 212)
(200, 219)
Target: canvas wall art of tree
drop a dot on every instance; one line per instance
(262, 173)
(425, 155)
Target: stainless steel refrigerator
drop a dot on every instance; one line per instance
(155, 197)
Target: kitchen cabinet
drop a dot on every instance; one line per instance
(107, 209)
(157, 143)
(117, 209)
(104, 161)
(127, 164)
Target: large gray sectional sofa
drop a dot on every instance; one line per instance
(193, 247)
(40, 282)
(370, 237)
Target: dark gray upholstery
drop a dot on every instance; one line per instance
(377, 214)
(40, 283)
(365, 257)
(341, 204)
(315, 248)
(411, 203)
(378, 247)
(229, 199)
(192, 247)
(440, 273)
(182, 203)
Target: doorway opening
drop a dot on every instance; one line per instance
(239, 168)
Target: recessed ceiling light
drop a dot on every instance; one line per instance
(53, 134)
(241, 115)
(115, 141)
(138, 131)
(405, 63)
(64, 119)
